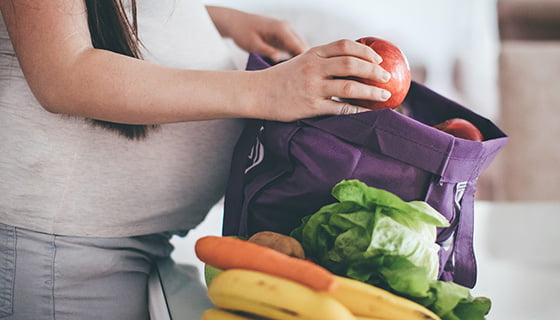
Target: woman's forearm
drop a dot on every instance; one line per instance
(137, 92)
(69, 76)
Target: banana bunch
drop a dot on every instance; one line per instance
(241, 294)
(369, 302)
(268, 296)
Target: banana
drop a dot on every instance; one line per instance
(370, 302)
(273, 297)
(221, 314)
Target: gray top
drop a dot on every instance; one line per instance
(59, 174)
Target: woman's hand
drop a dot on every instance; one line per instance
(310, 84)
(270, 37)
(307, 85)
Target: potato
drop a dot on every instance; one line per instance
(279, 242)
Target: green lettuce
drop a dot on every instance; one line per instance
(373, 236)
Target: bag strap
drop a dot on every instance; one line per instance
(233, 202)
(465, 271)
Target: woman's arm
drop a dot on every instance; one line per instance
(69, 76)
(255, 33)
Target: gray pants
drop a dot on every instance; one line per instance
(45, 276)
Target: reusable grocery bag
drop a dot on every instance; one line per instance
(282, 172)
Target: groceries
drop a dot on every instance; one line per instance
(279, 242)
(247, 294)
(258, 282)
(261, 294)
(460, 128)
(231, 253)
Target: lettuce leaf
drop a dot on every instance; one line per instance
(373, 236)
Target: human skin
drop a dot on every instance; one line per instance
(68, 76)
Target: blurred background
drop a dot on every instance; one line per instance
(500, 58)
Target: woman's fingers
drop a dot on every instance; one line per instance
(348, 66)
(268, 50)
(281, 41)
(344, 62)
(289, 40)
(348, 48)
(351, 89)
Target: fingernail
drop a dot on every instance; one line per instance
(385, 95)
(377, 58)
(385, 76)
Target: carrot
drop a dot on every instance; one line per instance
(229, 253)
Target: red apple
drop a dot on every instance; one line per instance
(460, 128)
(394, 62)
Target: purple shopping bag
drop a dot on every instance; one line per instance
(282, 172)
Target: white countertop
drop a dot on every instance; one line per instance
(518, 259)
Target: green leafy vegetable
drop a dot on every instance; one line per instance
(373, 236)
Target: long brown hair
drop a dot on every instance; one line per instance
(111, 29)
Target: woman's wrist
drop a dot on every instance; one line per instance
(249, 95)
